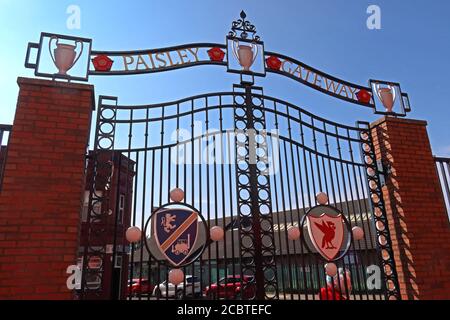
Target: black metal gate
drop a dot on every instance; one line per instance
(250, 164)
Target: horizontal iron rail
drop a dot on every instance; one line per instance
(6, 127)
(442, 159)
(229, 106)
(144, 51)
(231, 94)
(215, 133)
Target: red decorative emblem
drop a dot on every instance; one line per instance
(363, 96)
(273, 63)
(102, 63)
(327, 234)
(216, 54)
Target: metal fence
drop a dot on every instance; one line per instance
(5, 130)
(443, 169)
(304, 154)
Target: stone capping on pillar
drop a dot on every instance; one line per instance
(42, 191)
(397, 120)
(415, 208)
(59, 84)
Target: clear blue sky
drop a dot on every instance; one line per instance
(413, 48)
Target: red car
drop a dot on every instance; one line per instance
(231, 287)
(139, 287)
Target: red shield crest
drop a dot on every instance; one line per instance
(327, 234)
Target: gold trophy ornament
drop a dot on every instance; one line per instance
(387, 96)
(245, 54)
(64, 56)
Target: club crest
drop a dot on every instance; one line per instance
(176, 233)
(327, 234)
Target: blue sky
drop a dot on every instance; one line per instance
(412, 47)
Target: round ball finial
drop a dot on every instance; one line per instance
(358, 233)
(216, 233)
(133, 234)
(293, 233)
(177, 195)
(331, 269)
(322, 198)
(176, 276)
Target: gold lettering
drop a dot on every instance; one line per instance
(317, 80)
(150, 56)
(331, 83)
(283, 66)
(182, 54)
(307, 75)
(353, 91)
(170, 59)
(299, 71)
(127, 60)
(343, 88)
(159, 57)
(140, 61)
(194, 52)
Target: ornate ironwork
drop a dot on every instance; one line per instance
(99, 207)
(319, 80)
(104, 63)
(44, 45)
(304, 153)
(253, 192)
(244, 27)
(375, 177)
(255, 175)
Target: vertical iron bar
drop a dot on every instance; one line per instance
(116, 222)
(254, 199)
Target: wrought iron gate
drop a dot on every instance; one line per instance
(251, 164)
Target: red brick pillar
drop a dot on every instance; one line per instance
(42, 188)
(418, 221)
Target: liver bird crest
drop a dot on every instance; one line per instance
(329, 232)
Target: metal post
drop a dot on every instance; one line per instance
(253, 260)
(254, 198)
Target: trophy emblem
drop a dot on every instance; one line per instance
(386, 95)
(245, 54)
(64, 55)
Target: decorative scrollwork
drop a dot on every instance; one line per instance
(253, 191)
(244, 27)
(386, 254)
(99, 208)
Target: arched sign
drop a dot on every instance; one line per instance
(243, 53)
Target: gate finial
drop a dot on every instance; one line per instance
(244, 27)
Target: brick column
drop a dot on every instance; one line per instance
(418, 221)
(42, 188)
